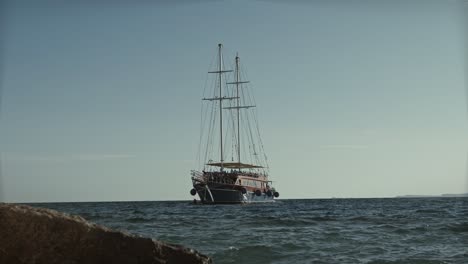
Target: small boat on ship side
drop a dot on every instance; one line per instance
(233, 181)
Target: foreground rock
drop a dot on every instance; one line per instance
(36, 235)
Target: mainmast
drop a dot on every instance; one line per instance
(220, 71)
(238, 107)
(220, 105)
(238, 116)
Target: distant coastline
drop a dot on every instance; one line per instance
(435, 196)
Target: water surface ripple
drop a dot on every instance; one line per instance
(415, 230)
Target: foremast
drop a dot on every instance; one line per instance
(220, 71)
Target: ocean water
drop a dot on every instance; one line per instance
(400, 230)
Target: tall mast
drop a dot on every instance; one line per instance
(238, 113)
(220, 98)
(238, 107)
(220, 105)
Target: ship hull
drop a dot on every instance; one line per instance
(218, 195)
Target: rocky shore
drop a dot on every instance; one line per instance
(36, 235)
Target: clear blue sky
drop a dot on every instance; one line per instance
(362, 99)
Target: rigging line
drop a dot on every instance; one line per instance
(204, 114)
(232, 138)
(257, 126)
(206, 140)
(230, 126)
(230, 130)
(243, 128)
(210, 138)
(232, 147)
(249, 126)
(249, 93)
(255, 146)
(246, 97)
(244, 143)
(249, 88)
(203, 109)
(233, 128)
(226, 136)
(259, 136)
(201, 136)
(249, 139)
(235, 146)
(226, 123)
(208, 125)
(247, 130)
(246, 125)
(207, 137)
(207, 74)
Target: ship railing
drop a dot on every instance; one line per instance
(213, 177)
(197, 176)
(222, 180)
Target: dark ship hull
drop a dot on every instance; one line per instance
(232, 188)
(218, 195)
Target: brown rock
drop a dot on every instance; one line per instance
(37, 235)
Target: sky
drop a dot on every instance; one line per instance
(100, 100)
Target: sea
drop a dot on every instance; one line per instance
(390, 230)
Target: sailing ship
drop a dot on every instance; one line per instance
(231, 109)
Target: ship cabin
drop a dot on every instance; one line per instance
(235, 177)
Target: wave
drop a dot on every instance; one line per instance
(406, 261)
(300, 231)
(360, 218)
(247, 254)
(323, 218)
(459, 227)
(289, 221)
(431, 211)
(137, 220)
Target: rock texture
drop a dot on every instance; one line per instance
(36, 235)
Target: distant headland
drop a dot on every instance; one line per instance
(435, 196)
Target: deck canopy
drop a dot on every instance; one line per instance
(234, 165)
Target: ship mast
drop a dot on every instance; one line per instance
(238, 116)
(220, 71)
(220, 105)
(238, 107)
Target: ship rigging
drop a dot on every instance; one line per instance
(244, 178)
